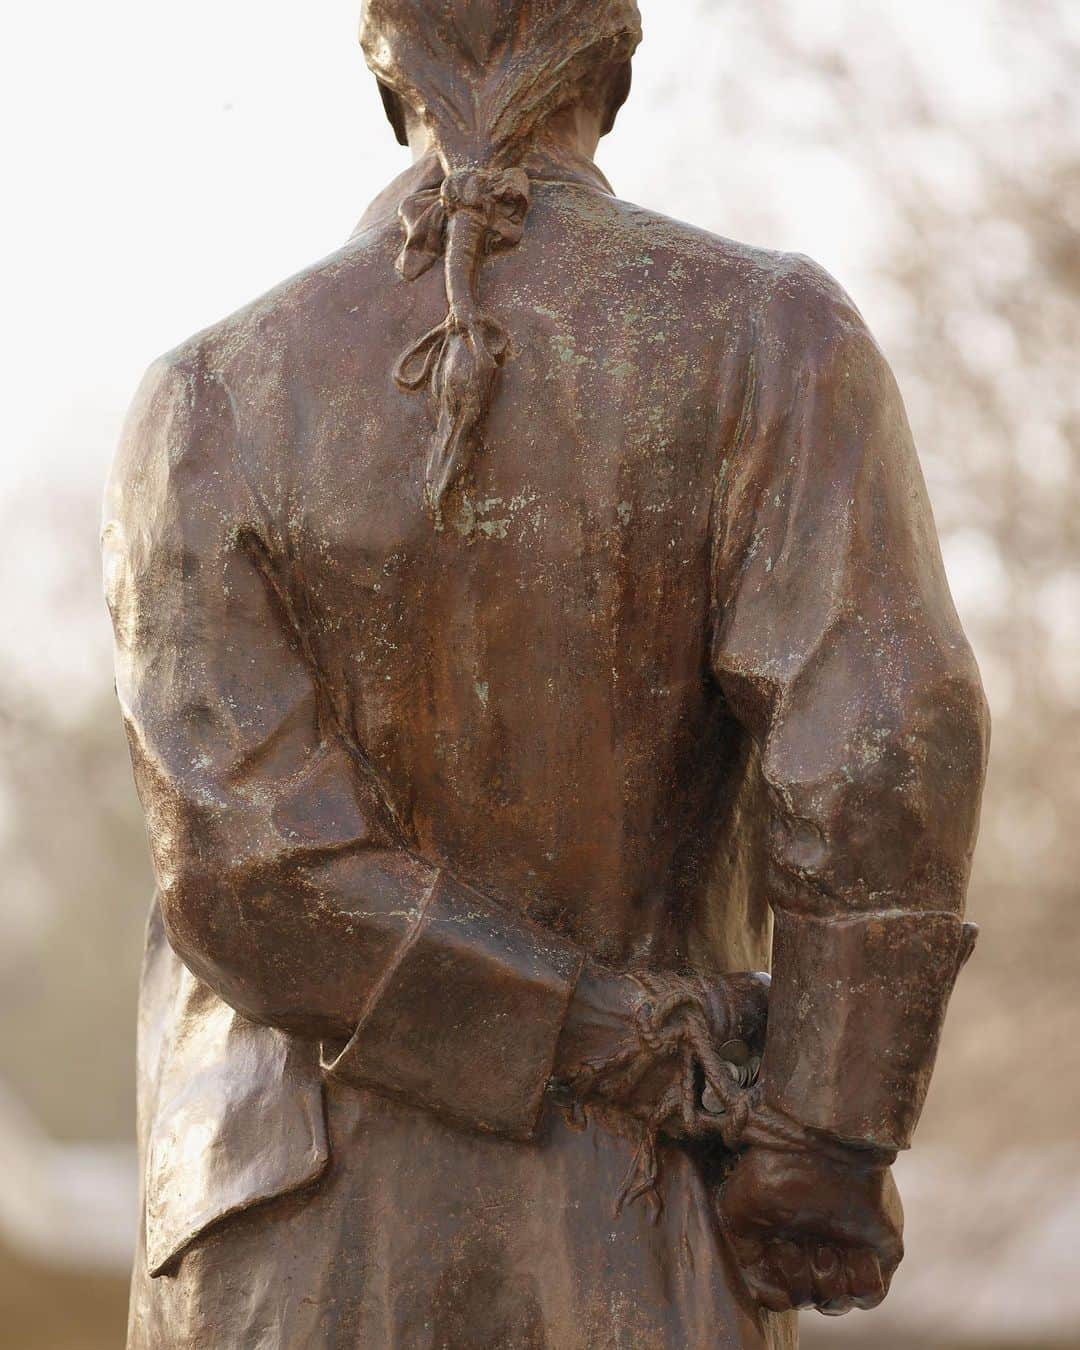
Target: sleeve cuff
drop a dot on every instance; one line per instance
(465, 1020)
(855, 1017)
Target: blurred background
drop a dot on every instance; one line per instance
(167, 163)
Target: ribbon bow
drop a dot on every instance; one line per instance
(500, 197)
(474, 212)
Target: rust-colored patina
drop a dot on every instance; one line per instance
(530, 623)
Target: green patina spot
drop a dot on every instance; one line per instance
(565, 350)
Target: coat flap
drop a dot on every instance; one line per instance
(237, 1118)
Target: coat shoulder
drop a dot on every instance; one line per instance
(267, 328)
(782, 295)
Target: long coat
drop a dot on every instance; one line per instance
(676, 653)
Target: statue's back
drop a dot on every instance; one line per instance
(519, 614)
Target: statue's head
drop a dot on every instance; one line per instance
(481, 76)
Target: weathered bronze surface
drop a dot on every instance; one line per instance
(529, 622)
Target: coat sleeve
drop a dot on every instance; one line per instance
(285, 882)
(837, 647)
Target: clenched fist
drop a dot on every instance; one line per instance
(814, 1230)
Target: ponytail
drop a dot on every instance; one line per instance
(478, 211)
(482, 74)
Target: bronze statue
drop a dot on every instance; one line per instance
(529, 624)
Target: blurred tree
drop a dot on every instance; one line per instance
(77, 877)
(73, 854)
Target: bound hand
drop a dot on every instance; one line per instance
(634, 1041)
(814, 1230)
(650, 1045)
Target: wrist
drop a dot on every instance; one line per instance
(769, 1127)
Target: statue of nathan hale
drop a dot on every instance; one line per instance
(530, 627)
